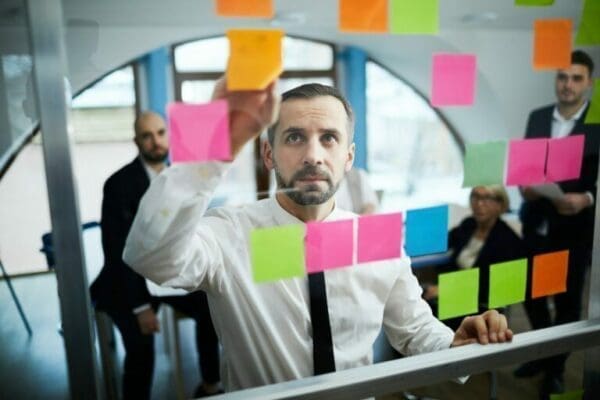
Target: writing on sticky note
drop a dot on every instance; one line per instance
(458, 293)
(534, 2)
(549, 273)
(589, 29)
(329, 245)
(453, 79)
(363, 16)
(277, 252)
(508, 281)
(427, 231)
(255, 58)
(564, 158)
(573, 395)
(379, 237)
(484, 163)
(414, 17)
(245, 8)
(526, 161)
(593, 113)
(199, 132)
(552, 43)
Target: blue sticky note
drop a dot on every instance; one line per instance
(427, 231)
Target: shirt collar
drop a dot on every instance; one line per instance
(149, 170)
(557, 117)
(285, 218)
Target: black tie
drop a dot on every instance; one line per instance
(322, 343)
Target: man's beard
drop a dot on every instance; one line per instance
(310, 194)
(154, 156)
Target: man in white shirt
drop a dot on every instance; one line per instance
(267, 329)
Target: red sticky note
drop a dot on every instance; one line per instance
(329, 245)
(552, 43)
(526, 161)
(199, 132)
(550, 274)
(564, 158)
(379, 237)
(453, 79)
(363, 16)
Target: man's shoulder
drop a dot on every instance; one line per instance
(126, 173)
(542, 111)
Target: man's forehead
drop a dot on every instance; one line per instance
(574, 69)
(319, 106)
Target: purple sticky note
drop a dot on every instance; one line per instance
(453, 79)
(379, 237)
(329, 245)
(199, 132)
(526, 161)
(564, 158)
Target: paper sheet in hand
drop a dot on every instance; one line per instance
(549, 190)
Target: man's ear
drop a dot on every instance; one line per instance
(350, 160)
(267, 154)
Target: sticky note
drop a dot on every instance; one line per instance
(329, 245)
(552, 43)
(199, 132)
(534, 2)
(427, 231)
(245, 8)
(508, 281)
(453, 79)
(363, 16)
(549, 273)
(414, 17)
(589, 28)
(573, 395)
(593, 113)
(564, 158)
(255, 58)
(526, 161)
(458, 293)
(277, 252)
(379, 237)
(484, 163)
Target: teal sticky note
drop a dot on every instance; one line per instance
(484, 163)
(458, 293)
(427, 231)
(593, 113)
(414, 17)
(573, 395)
(277, 252)
(534, 2)
(507, 283)
(588, 32)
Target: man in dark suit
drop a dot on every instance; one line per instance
(567, 223)
(123, 294)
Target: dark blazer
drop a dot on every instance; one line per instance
(118, 287)
(563, 231)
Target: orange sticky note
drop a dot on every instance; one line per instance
(245, 8)
(363, 16)
(254, 58)
(552, 43)
(550, 273)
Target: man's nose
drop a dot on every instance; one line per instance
(314, 152)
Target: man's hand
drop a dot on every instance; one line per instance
(148, 322)
(572, 203)
(528, 193)
(250, 112)
(489, 327)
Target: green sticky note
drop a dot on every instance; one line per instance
(484, 164)
(414, 17)
(534, 2)
(589, 28)
(574, 395)
(507, 283)
(458, 293)
(277, 252)
(593, 113)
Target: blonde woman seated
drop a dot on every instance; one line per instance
(479, 241)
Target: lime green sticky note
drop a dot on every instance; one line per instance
(574, 395)
(589, 28)
(534, 2)
(277, 252)
(484, 164)
(507, 283)
(458, 293)
(414, 17)
(593, 113)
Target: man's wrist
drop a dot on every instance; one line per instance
(139, 309)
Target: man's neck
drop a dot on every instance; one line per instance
(568, 110)
(156, 166)
(317, 212)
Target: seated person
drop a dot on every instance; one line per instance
(479, 241)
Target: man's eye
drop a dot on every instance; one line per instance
(293, 138)
(329, 138)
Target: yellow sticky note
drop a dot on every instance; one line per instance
(255, 58)
(245, 8)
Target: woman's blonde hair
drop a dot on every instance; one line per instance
(499, 194)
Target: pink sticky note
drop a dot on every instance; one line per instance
(564, 158)
(453, 79)
(379, 237)
(329, 245)
(526, 161)
(199, 132)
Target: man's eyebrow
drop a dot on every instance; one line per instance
(331, 131)
(293, 129)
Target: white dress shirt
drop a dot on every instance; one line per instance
(265, 328)
(562, 127)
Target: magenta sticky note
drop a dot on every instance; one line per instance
(526, 161)
(564, 158)
(329, 245)
(453, 79)
(379, 237)
(199, 132)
